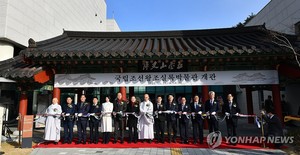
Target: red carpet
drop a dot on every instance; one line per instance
(149, 145)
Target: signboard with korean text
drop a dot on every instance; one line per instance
(162, 66)
(257, 77)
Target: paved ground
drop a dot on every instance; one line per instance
(153, 151)
(244, 129)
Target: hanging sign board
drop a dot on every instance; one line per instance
(259, 77)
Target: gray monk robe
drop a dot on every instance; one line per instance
(52, 128)
(146, 121)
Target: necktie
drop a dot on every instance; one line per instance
(230, 105)
(195, 105)
(211, 102)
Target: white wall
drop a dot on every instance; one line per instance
(6, 51)
(3, 9)
(279, 15)
(112, 25)
(43, 19)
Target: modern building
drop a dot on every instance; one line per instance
(182, 63)
(283, 17)
(280, 16)
(24, 19)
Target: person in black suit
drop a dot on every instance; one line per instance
(133, 106)
(159, 120)
(171, 118)
(119, 109)
(211, 108)
(183, 111)
(269, 103)
(68, 111)
(274, 125)
(231, 110)
(82, 110)
(95, 112)
(197, 109)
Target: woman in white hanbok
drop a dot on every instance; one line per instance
(52, 128)
(146, 120)
(106, 122)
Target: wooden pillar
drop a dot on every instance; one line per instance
(249, 104)
(123, 92)
(204, 99)
(23, 104)
(277, 101)
(131, 91)
(56, 94)
(22, 107)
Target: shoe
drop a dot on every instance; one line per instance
(194, 142)
(186, 142)
(135, 141)
(55, 143)
(174, 141)
(84, 142)
(90, 142)
(122, 141)
(69, 142)
(96, 142)
(114, 142)
(150, 141)
(78, 142)
(63, 142)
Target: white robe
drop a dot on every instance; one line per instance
(52, 128)
(106, 122)
(146, 121)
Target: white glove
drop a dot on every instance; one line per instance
(193, 114)
(200, 112)
(76, 114)
(184, 113)
(159, 112)
(67, 114)
(227, 114)
(237, 114)
(207, 113)
(263, 112)
(80, 114)
(213, 113)
(174, 112)
(92, 114)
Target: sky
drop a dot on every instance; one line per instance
(156, 15)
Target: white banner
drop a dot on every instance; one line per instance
(258, 77)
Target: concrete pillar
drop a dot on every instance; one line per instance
(277, 101)
(249, 104)
(6, 51)
(56, 94)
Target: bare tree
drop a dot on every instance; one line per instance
(283, 41)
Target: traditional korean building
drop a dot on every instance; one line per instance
(77, 62)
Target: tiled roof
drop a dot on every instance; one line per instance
(15, 68)
(160, 44)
